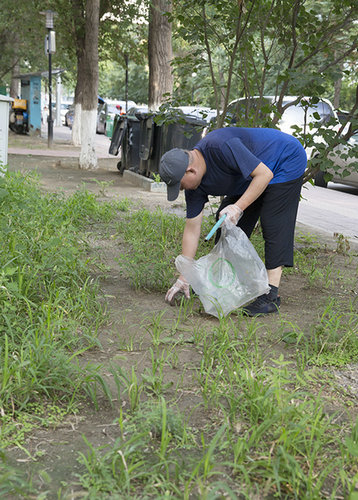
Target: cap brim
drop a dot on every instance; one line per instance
(173, 192)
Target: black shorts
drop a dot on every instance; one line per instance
(277, 209)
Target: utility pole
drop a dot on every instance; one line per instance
(50, 48)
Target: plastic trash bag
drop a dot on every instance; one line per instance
(231, 275)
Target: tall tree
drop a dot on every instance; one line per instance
(22, 34)
(266, 46)
(160, 53)
(88, 86)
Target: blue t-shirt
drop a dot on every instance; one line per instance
(232, 153)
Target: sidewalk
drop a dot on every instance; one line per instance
(61, 148)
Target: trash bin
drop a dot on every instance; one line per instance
(126, 135)
(130, 147)
(150, 134)
(158, 139)
(4, 130)
(119, 131)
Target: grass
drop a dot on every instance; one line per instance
(253, 412)
(49, 308)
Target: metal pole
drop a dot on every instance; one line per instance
(50, 121)
(126, 84)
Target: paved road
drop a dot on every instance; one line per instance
(330, 210)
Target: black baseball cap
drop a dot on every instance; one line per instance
(173, 165)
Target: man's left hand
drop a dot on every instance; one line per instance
(234, 213)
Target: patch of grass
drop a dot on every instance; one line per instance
(267, 433)
(282, 443)
(154, 241)
(255, 422)
(49, 308)
(13, 482)
(334, 340)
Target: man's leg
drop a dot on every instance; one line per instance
(278, 220)
(274, 276)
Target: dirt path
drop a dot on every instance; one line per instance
(126, 340)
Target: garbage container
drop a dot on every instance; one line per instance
(4, 130)
(119, 130)
(156, 140)
(126, 136)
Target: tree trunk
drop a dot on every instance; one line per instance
(80, 83)
(160, 53)
(15, 83)
(337, 93)
(88, 158)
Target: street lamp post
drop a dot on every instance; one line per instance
(126, 58)
(50, 48)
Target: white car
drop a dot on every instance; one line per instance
(342, 162)
(308, 118)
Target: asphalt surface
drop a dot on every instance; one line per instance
(323, 210)
(330, 210)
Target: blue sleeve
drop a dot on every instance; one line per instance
(237, 156)
(195, 202)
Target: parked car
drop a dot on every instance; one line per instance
(201, 112)
(342, 162)
(69, 116)
(107, 111)
(242, 112)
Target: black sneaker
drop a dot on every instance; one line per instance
(262, 305)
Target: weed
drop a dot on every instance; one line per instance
(334, 339)
(343, 245)
(129, 385)
(153, 377)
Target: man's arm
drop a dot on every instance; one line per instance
(191, 236)
(190, 243)
(261, 177)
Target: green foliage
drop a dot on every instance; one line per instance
(160, 235)
(263, 47)
(112, 81)
(334, 339)
(20, 45)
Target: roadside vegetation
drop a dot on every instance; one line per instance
(230, 408)
(49, 308)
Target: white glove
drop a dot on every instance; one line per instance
(179, 286)
(234, 213)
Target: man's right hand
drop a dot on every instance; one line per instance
(180, 286)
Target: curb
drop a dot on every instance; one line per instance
(144, 182)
